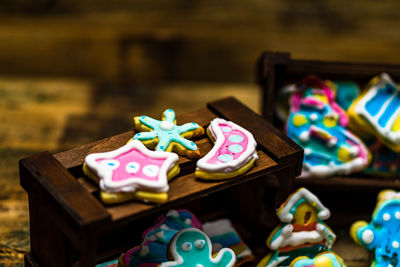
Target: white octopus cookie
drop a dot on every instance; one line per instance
(233, 154)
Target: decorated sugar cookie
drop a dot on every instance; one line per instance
(223, 235)
(234, 151)
(302, 236)
(132, 172)
(153, 250)
(165, 135)
(324, 259)
(191, 247)
(317, 124)
(382, 234)
(377, 111)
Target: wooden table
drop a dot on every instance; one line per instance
(69, 224)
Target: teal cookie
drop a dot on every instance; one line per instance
(191, 247)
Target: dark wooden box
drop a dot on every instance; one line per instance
(70, 226)
(276, 69)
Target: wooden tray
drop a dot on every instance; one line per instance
(69, 225)
(275, 69)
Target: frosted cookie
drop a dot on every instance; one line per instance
(165, 135)
(302, 232)
(132, 172)
(153, 250)
(377, 111)
(385, 162)
(317, 124)
(324, 259)
(233, 154)
(382, 234)
(223, 235)
(191, 247)
(346, 93)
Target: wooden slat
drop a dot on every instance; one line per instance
(189, 187)
(276, 144)
(351, 182)
(76, 156)
(82, 207)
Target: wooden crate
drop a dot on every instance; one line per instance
(276, 69)
(69, 225)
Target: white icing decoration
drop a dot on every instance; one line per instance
(397, 215)
(298, 238)
(395, 244)
(167, 125)
(150, 170)
(132, 167)
(386, 132)
(313, 117)
(233, 165)
(199, 244)
(285, 215)
(160, 235)
(307, 151)
(187, 246)
(111, 164)
(304, 136)
(188, 221)
(386, 217)
(332, 142)
(367, 236)
(130, 185)
(178, 259)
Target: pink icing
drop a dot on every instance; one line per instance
(224, 149)
(134, 155)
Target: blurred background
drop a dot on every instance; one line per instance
(75, 71)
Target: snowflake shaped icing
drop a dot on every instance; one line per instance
(167, 134)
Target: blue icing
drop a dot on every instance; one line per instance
(235, 138)
(346, 93)
(389, 111)
(226, 129)
(235, 148)
(226, 240)
(375, 103)
(166, 136)
(333, 260)
(225, 157)
(385, 227)
(194, 255)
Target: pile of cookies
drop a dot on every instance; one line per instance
(341, 129)
(135, 171)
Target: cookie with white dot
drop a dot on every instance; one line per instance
(234, 151)
(132, 172)
(166, 135)
(381, 235)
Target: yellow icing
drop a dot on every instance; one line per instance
(322, 97)
(224, 175)
(299, 120)
(344, 154)
(330, 121)
(396, 125)
(264, 261)
(353, 230)
(322, 261)
(300, 218)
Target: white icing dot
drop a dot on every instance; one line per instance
(368, 236)
(390, 265)
(150, 170)
(332, 142)
(386, 217)
(304, 136)
(235, 148)
(186, 246)
(397, 215)
(226, 129)
(395, 244)
(188, 221)
(167, 125)
(313, 117)
(144, 251)
(199, 244)
(225, 157)
(235, 138)
(110, 163)
(132, 167)
(173, 213)
(307, 151)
